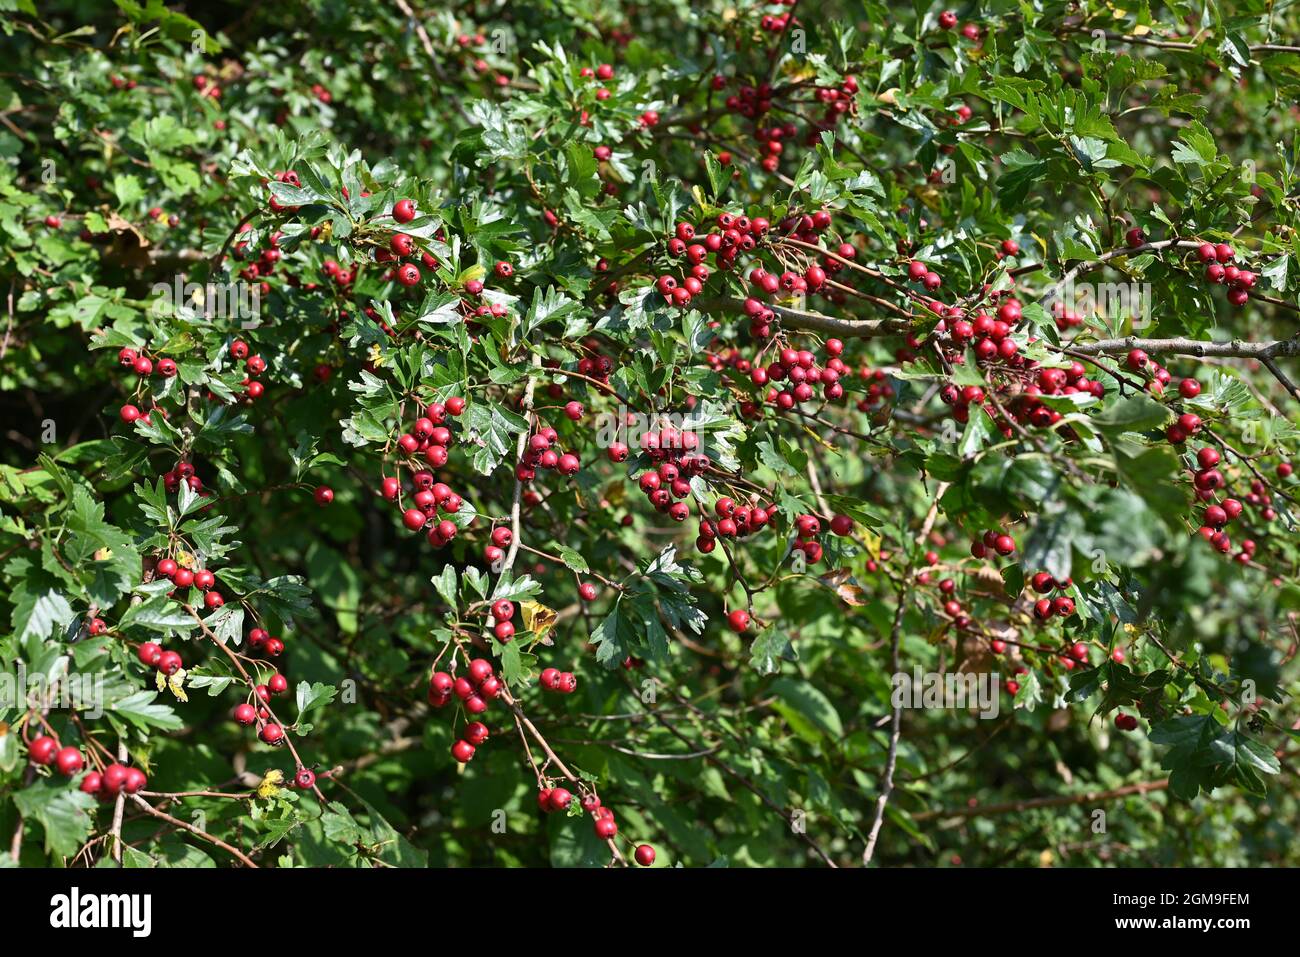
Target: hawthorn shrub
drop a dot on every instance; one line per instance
(527, 434)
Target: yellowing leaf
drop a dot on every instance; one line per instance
(872, 542)
(176, 685)
(376, 355)
(537, 617)
(272, 783)
(184, 559)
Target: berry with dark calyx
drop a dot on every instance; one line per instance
(271, 733)
(42, 749)
(462, 751)
(404, 210)
(69, 761)
(476, 732)
(738, 620)
(169, 662)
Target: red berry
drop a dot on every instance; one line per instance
(272, 733)
(738, 620)
(462, 751)
(645, 855)
(42, 749)
(404, 211)
(69, 761)
(169, 662)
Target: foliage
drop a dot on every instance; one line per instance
(222, 201)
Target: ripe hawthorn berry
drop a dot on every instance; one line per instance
(738, 620)
(404, 210)
(271, 733)
(69, 761)
(42, 749)
(645, 855)
(462, 751)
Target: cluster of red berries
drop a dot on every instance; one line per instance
(993, 540)
(247, 713)
(45, 750)
(602, 73)
(481, 686)
(429, 435)
(475, 690)
(267, 259)
(948, 21)
(991, 336)
(732, 521)
(115, 779)
(733, 234)
(142, 366)
(679, 458)
(262, 641)
(1219, 270)
(153, 655)
(562, 682)
(503, 609)
(1208, 480)
(799, 367)
(402, 246)
(430, 498)
(184, 578)
(540, 453)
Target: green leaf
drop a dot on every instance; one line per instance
(807, 708)
(61, 810)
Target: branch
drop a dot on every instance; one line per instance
(1262, 351)
(177, 822)
(118, 807)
